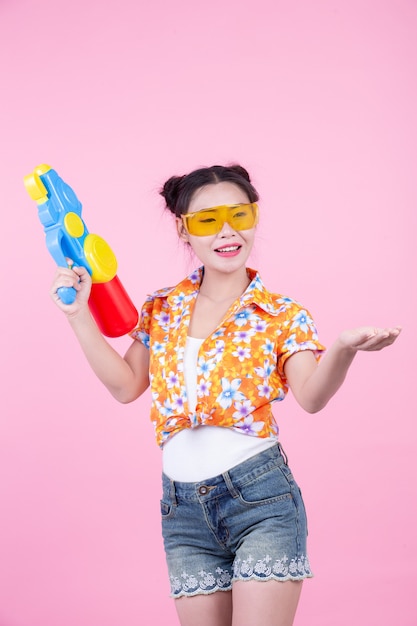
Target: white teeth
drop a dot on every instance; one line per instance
(228, 249)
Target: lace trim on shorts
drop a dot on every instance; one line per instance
(266, 569)
(206, 583)
(246, 569)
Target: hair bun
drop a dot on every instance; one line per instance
(170, 191)
(241, 171)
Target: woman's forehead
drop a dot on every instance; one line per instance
(217, 194)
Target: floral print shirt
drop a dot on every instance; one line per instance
(240, 369)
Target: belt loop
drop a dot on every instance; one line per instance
(284, 456)
(229, 485)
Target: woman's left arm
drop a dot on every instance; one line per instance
(314, 384)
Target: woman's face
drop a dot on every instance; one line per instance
(228, 250)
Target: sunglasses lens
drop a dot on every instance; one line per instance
(210, 221)
(205, 222)
(242, 217)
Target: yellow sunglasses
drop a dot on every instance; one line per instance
(210, 221)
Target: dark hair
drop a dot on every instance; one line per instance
(178, 190)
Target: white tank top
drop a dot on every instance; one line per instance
(195, 454)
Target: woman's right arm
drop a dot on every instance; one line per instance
(125, 377)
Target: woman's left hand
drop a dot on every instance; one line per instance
(369, 338)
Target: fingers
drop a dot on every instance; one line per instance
(388, 336)
(63, 278)
(75, 277)
(369, 338)
(379, 338)
(79, 270)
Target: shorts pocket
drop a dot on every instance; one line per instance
(265, 489)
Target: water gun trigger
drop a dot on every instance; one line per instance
(67, 295)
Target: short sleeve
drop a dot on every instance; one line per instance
(299, 333)
(142, 330)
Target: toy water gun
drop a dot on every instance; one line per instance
(67, 236)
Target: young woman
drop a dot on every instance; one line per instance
(217, 350)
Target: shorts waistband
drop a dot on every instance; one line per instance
(236, 476)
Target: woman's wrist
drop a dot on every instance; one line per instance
(80, 318)
(344, 343)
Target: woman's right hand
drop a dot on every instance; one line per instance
(125, 378)
(80, 280)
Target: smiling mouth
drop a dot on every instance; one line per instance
(228, 249)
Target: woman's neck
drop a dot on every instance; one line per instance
(218, 287)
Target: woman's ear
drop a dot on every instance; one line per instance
(182, 233)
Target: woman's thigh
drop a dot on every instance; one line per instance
(265, 603)
(250, 603)
(213, 609)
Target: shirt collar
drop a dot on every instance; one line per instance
(255, 293)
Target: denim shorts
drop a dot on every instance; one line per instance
(246, 524)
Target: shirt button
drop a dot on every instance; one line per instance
(203, 490)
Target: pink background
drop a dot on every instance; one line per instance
(318, 100)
